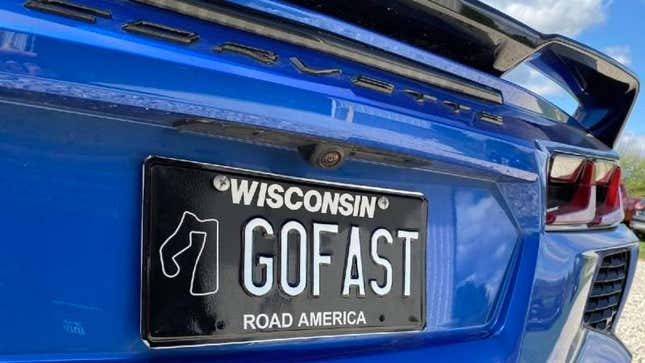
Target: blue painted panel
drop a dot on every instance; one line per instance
(78, 179)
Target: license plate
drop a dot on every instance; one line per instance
(233, 255)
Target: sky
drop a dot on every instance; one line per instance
(615, 27)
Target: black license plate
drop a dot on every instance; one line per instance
(234, 255)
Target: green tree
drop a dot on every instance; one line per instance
(633, 167)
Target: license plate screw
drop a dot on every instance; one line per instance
(383, 203)
(221, 183)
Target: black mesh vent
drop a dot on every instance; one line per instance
(607, 291)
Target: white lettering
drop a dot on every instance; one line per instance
(315, 319)
(303, 320)
(242, 190)
(319, 259)
(262, 321)
(368, 205)
(354, 256)
(262, 194)
(408, 236)
(284, 258)
(387, 286)
(288, 195)
(357, 205)
(248, 258)
(313, 194)
(346, 204)
(287, 320)
(361, 318)
(275, 322)
(338, 318)
(249, 321)
(351, 317)
(331, 318)
(275, 196)
(327, 318)
(329, 203)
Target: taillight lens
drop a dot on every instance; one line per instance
(583, 191)
(609, 199)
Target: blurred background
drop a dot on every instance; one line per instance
(631, 327)
(615, 28)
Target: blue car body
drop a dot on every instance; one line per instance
(84, 104)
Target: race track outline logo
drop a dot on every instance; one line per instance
(192, 230)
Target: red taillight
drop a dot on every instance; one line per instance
(582, 191)
(609, 199)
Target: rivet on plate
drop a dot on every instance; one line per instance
(383, 203)
(221, 183)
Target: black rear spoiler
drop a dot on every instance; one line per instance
(481, 37)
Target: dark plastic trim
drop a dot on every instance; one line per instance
(419, 96)
(373, 84)
(301, 67)
(490, 118)
(456, 107)
(69, 10)
(260, 55)
(611, 319)
(303, 143)
(160, 31)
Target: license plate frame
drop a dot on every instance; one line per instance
(155, 319)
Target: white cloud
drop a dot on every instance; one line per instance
(621, 53)
(533, 80)
(631, 143)
(567, 17)
(527, 77)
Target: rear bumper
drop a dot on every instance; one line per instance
(598, 347)
(564, 273)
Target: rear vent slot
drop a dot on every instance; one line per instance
(161, 31)
(607, 291)
(68, 9)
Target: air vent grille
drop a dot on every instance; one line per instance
(607, 291)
